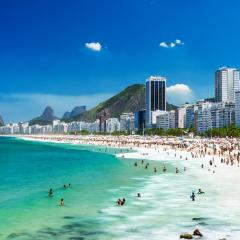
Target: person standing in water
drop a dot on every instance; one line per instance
(62, 202)
(50, 192)
(193, 196)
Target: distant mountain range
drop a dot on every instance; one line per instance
(1, 121)
(75, 112)
(130, 99)
(46, 118)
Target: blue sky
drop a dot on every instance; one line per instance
(44, 59)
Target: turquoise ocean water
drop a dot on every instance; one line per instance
(28, 169)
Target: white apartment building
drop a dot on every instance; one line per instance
(11, 128)
(163, 120)
(55, 125)
(227, 82)
(180, 117)
(127, 122)
(23, 127)
(112, 125)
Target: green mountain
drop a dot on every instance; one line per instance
(130, 99)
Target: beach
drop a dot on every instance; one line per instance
(165, 209)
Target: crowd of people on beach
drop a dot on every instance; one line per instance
(228, 149)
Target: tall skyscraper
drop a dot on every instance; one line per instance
(227, 82)
(155, 96)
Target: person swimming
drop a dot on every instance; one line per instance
(123, 201)
(69, 185)
(50, 192)
(177, 171)
(135, 164)
(138, 195)
(62, 202)
(164, 169)
(200, 191)
(64, 186)
(155, 169)
(193, 196)
(119, 201)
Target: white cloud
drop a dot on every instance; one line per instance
(164, 45)
(95, 46)
(179, 88)
(171, 44)
(179, 94)
(178, 41)
(23, 107)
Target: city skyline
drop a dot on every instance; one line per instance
(58, 55)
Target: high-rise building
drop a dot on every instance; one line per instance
(190, 116)
(204, 116)
(172, 120)
(229, 114)
(155, 96)
(139, 120)
(227, 82)
(237, 108)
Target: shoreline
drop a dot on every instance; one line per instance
(159, 149)
(153, 148)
